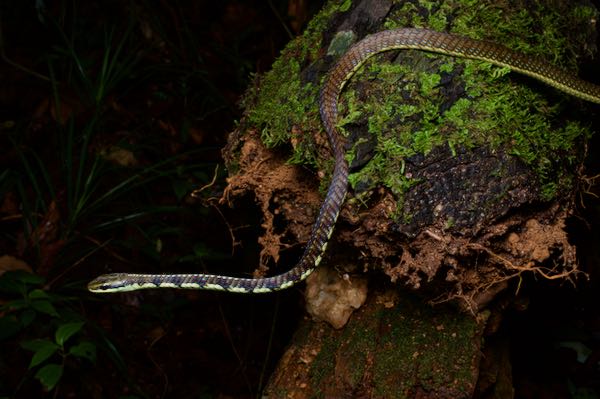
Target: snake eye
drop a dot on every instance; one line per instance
(107, 283)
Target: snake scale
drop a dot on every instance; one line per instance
(407, 38)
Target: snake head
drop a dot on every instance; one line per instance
(114, 282)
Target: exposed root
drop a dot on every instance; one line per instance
(547, 273)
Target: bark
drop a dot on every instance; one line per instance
(463, 178)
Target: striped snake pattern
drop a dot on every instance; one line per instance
(408, 38)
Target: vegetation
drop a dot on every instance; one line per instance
(495, 111)
(110, 137)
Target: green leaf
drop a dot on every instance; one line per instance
(65, 331)
(13, 281)
(38, 294)
(115, 356)
(7, 286)
(43, 353)
(49, 375)
(85, 350)
(15, 305)
(44, 306)
(35, 344)
(25, 277)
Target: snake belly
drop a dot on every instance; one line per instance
(407, 38)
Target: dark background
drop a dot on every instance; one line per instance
(111, 114)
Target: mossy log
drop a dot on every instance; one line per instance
(463, 175)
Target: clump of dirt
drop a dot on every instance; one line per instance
(468, 268)
(285, 194)
(468, 264)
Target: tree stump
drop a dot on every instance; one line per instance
(462, 177)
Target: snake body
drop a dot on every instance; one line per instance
(407, 38)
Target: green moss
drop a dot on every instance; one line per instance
(397, 348)
(346, 349)
(403, 111)
(360, 342)
(345, 6)
(283, 100)
(324, 363)
(401, 105)
(423, 344)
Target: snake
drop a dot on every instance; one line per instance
(335, 80)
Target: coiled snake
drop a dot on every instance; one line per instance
(343, 70)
